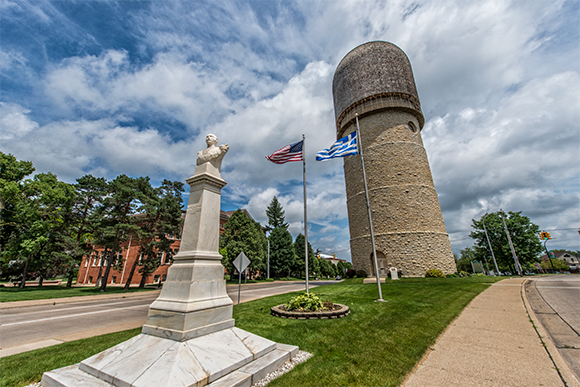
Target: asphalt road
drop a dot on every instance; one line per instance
(26, 328)
(556, 302)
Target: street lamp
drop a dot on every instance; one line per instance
(489, 243)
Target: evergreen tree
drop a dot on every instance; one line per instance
(125, 198)
(241, 233)
(313, 264)
(281, 252)
(89, 192)
(275, 215)
(160, 219)
(342, 267)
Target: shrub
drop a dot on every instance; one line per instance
(306, 302)
(361, 274)
(463, 274)
(350, 273)
(436, 273)
(451, 275)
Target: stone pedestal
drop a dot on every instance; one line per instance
(194, 301)
(189, 338)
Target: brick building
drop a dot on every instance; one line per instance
(90, 265)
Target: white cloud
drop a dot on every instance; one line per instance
(498, 83)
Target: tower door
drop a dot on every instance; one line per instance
(382, 263)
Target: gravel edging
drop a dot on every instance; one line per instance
(343, 311)
(301, 357)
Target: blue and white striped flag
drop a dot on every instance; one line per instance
(346, 146)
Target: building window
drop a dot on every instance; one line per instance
(163, 277)
(87, 261)
(114, 279)
(411, 127)
(156, 278)
(160, 257)
(140, 262)
(90, 279)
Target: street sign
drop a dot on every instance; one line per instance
(241, 262)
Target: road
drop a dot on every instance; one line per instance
(556, 302)
(31, 327)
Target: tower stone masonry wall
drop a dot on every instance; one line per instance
(407, 220)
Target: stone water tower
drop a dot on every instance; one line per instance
(375, 81)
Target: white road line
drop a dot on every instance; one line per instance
(73, 315)
(72, 307)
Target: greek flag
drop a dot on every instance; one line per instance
(346, 146)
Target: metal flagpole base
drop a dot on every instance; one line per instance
(381, 300)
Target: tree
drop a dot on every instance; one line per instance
(342, 267)
(557, 264)
(327, 268)
(34, 221)
(281, 251)
(524, 235)
(467, 255)
(313, 265)
(241, 233)
(160, 220)
(89, 192)
(124, 199)
(275, 215)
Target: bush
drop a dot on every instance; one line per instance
(361, 274)
(434, 273)
(308, 302)
(227, 277)
(463, 274)
(350, 273)
(451, 275)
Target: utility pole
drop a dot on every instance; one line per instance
(489, 243)
(517, 263)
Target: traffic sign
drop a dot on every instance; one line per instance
(241, 262)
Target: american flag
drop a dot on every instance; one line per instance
(292, 152)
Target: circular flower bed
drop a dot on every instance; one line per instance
(338, 312)
(309, 306)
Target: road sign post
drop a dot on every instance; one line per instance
(241, 263)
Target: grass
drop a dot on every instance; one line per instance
(61, 291)
(378, 344)
(26, 368)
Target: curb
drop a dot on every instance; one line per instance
(568, 377)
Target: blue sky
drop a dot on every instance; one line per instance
(133, 87)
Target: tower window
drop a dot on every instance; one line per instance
(411, 127)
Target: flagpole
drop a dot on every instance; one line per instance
(360, 151)
(305, 219)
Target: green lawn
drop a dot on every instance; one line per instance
(376, 345)
(8, 294)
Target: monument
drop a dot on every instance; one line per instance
(189, 338)
(375, 81)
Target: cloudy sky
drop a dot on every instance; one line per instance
(133, 87)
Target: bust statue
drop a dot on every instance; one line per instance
(213, 154)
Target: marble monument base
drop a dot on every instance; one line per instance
(229, 357)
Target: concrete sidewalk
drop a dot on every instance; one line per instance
(493, 343)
